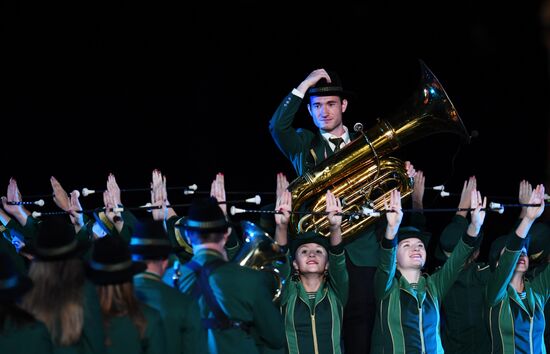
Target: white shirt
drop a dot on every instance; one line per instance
(344, 136)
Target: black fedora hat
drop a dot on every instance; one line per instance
(111, 262)
(12, 283)
(308, 237)
(498, 245)
(406, 232)
(149, 241)
(56, 240)
(205, 215)
(332, 88)
(539, 242)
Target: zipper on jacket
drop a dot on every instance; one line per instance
(420, 320)
(531, 334)
(314, 332)
(420, 327)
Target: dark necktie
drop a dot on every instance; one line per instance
(337, 142)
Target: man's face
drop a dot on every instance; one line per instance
(327, 112)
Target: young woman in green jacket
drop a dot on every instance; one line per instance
(408, 302)
(314, 296)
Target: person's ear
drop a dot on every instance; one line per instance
(226, 235)
(295, 264)
(309, 110)
(164, 264)
(344, 104)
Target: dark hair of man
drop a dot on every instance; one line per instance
(198, 237)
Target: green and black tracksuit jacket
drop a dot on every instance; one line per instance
(315, 326)
(516, 325)
(408, 319)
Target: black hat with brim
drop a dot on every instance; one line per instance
(149, 241)
(497, 246)
(539, 242)
(205, 215)
(55, 240)
(308, 237)
(407, 232)
(111, 262)
(333, 88)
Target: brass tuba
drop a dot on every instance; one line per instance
(362, 174)
(261, 252)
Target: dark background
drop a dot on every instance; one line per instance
(126, 87)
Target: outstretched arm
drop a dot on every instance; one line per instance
(524, 194)
(283, 205)
(446, 276)
(159, 197)
(496, 287)
(17, 211)
(418, 191)
(457, 227)
(333, 207)
(385, 272)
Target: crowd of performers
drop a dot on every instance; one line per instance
(112, 282)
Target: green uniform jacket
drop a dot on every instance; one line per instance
(244, 295)
(316, 328)
(539, 269)
(92, 340)
(408, 320)
(179, 312)
(306, 149)
(463, 326)
(125, 339)
(516, 326)
(32, 338)
(176, 261)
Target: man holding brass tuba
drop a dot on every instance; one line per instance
(326, 103)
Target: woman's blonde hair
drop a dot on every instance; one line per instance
(119, 300)
(57, 298)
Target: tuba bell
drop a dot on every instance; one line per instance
(261, 252)
(362, 174)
